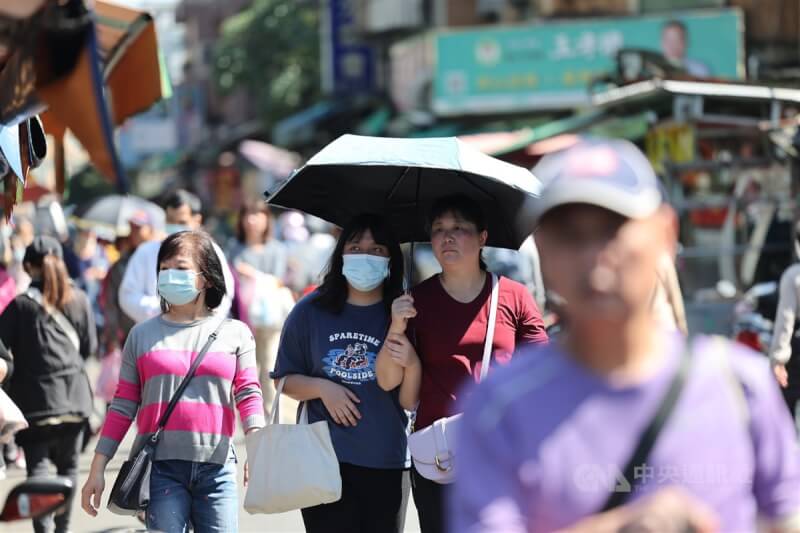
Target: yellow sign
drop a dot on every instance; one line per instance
(670, 143)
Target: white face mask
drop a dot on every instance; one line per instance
(178, 287)
(171, 229)
(365, 272)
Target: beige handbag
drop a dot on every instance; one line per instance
(292, 466)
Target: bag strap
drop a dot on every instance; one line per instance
(275, 413)
(63, 322)
(184, 383)
(487, 345)
(649, 436)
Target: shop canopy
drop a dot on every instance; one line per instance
(538, 140)
(649, 94)
(84, 69)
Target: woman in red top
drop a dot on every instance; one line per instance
(444, 320)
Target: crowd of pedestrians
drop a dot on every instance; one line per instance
(619, 423)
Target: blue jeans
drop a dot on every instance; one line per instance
(200, 495)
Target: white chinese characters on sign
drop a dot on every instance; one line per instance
(587, 45)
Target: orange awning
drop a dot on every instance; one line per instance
(129, 50)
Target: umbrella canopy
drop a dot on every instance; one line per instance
(268, 158)
(111, 213)
(402, 178)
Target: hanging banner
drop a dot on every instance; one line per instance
(549, 66)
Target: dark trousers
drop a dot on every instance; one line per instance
(373, 500)
(791, 394)
(429, 497)
(792, 398)
(61, 446)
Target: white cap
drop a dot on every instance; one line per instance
(612, 174)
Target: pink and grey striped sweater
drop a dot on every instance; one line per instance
(156, 356)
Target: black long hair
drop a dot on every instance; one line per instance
(201, 247)
(332, 293)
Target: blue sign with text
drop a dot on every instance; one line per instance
(352, 61)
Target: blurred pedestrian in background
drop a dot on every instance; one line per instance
(690, 435)
(259, 252)
(293, 232)
(667, 297)
(138, 294)
(193, 478)
(6, 369)
(21, 237)
(318, 249)
(14, 239)
(91, 262)
(260, 261)
(93, 265)
(117, 323)
(445, 320)
(530, 268)
(8, 291)
(50, 332)
(8, 285)
(785, 342)
(327, 355)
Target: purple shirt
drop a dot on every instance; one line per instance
(544, 441)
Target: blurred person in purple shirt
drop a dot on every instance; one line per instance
(545, 440)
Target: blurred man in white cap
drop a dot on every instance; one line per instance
(621, 424)
(138, 294)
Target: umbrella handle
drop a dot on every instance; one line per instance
(409, 271)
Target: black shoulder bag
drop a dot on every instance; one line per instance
(649, 436)
(131, 492)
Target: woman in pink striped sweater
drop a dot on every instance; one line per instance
(193, 480)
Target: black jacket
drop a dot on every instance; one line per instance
(49, 377)
(5, 355)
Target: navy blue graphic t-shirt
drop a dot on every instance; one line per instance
(343, 348)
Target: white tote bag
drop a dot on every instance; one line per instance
(269, 303)
(292, 466)
(432, 448)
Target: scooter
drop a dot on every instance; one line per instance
(37, 497)
(753, 314)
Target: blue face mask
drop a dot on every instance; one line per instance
(178, 287)
(365, 272)
(171, 229)
(19, 255)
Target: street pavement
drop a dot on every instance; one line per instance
(107, 522)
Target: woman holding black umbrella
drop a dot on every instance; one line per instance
(445, 320)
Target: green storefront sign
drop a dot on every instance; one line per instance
(549, 66)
